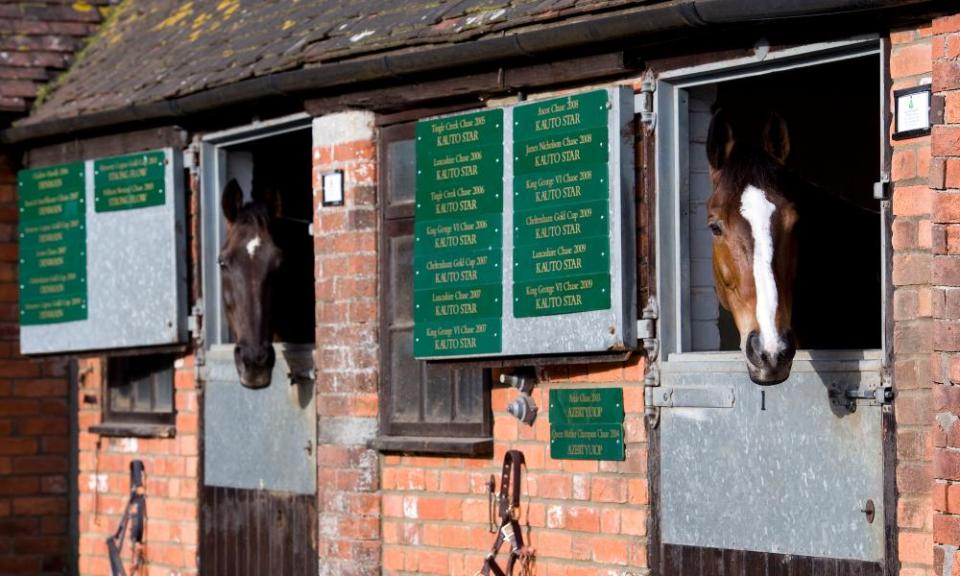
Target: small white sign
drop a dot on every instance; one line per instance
(913, 112)
(333, 188)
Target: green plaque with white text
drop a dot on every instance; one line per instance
(586, 424)
(561, 227)
(458, 235)
(524, 239)
(52, 244)
(130, 181)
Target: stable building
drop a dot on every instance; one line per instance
(498, 228)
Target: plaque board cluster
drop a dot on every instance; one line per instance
(101, 260)
(586, 424)
(524, 229)
(53, 244)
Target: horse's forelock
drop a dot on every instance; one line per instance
(254, 213)
(754, 168)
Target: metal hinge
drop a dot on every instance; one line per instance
(195, 328)
(191, 157)
(647, 338)
(881, 188)
(647, 88)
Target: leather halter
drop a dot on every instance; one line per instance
(509, 530)
(135, 510)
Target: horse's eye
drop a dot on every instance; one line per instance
(715, 228)
(220, 262)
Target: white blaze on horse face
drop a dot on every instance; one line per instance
(757, 211)
(252, 246)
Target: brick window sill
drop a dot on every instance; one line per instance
(127, 430)
(439, 445)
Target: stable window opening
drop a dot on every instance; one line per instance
(139, 390)
(270, 161)
(834, 150)
(426, 407)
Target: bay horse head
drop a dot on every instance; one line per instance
(752, 218)
(249, 260)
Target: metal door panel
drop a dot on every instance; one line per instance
(261, 439)
(787, 469)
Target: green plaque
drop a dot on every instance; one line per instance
(458, 235)
(447, 169)
(456, 269)
(565, 296)
(586, 406)
(457, 337)
(129, 182)
(561, 222)
(465, 302)
(560, 151)
(475, 233)
(586, 442)
(461, 132)
(473, 196)
(563, 258)
(567, 113)
(55, 310)
(545, 190)
(52, 244)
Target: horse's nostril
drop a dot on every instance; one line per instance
(753, 351)
(790, 350)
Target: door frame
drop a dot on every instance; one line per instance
(295, 361)
(670, 245)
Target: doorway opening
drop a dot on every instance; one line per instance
(271, 162)
(833, 150)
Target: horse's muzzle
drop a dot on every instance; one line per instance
(766, 368)
(254, 364)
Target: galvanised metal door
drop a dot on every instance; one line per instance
(786, 476)
(784, 479)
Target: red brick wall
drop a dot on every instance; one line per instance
(587, 518)
(172, 466)
(910, 63)
(34, 427)
(945, 360)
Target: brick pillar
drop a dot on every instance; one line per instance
(34, 427)
(945, 359)
(347, 347)
(910, 65)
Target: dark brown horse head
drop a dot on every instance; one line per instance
(752, 218)
(249, 260)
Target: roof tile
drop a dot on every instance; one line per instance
(159, 49)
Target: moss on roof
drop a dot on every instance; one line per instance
(152, 50)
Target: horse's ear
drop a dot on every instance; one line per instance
(719, 139)
(231, 200)
(776, 138)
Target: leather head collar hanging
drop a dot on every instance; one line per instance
(135, 511)
(509, 510)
